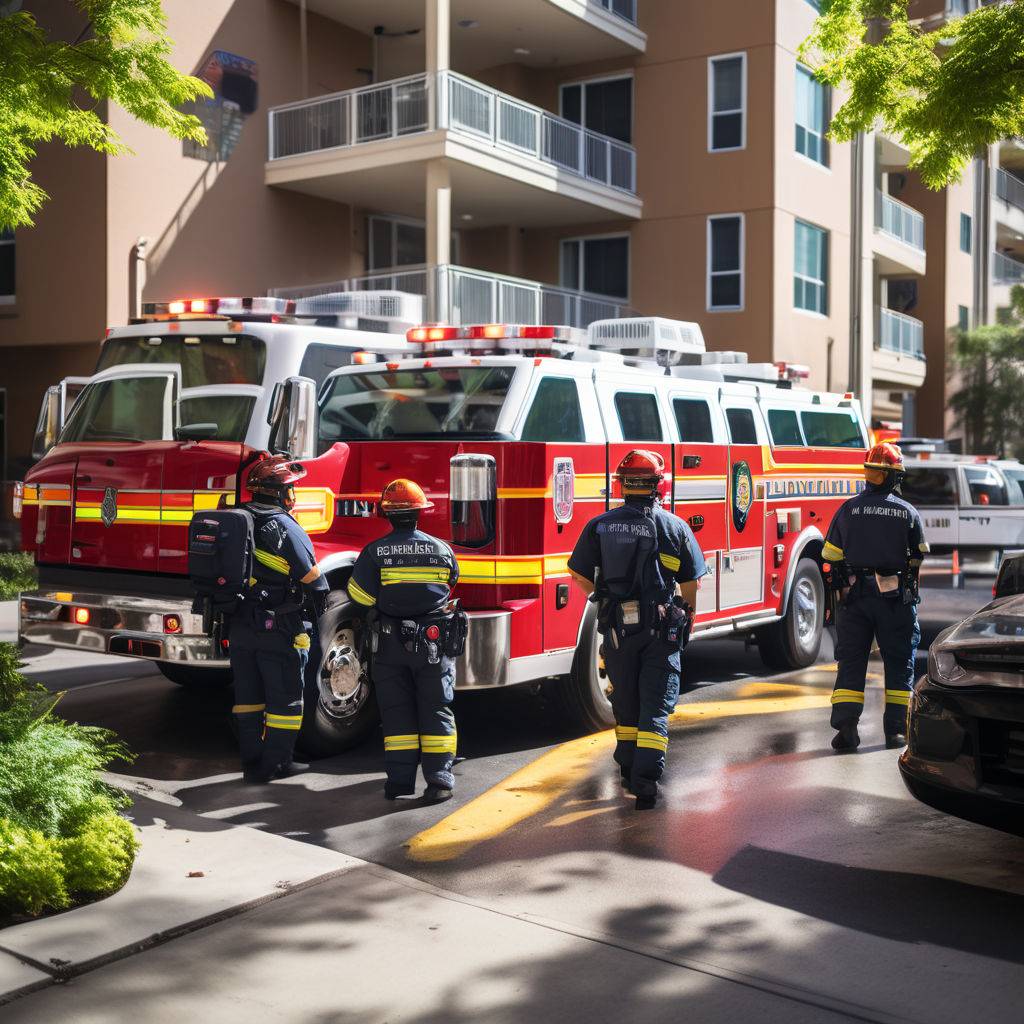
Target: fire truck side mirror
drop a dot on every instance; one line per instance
(473, 499)
(49, 423)
(294, 418)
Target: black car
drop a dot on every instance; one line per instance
(965, 724)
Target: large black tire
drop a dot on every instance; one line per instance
(340, 708)
(795, 640)
(193, 678)
(582, 696)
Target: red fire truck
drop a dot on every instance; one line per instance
(513, 431)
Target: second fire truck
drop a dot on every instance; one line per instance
(514, 433)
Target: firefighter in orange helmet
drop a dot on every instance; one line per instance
(641, 565)
(404, 581)
(873, 553)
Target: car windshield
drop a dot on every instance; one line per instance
(414, 403)
(204, 358)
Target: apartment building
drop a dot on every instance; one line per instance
(545, 160)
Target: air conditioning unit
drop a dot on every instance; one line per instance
(648, 339)
(384, 305)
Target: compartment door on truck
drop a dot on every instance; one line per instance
(741, 579)
(934, 492)
(124, 420)
(701, 461)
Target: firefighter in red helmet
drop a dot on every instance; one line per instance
(404, 582)
(270, 635)
(641, 565)
(872, 555)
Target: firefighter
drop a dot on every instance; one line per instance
(873, 554)
(405, 580)
(641, 565)
(270, 636)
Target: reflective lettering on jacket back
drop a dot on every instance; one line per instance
(628, 548)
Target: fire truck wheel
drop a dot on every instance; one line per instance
(582, 696)
(340, 711)
(795, 640)
(195, 678)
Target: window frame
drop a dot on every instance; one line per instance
(708, 403)
(619, 392)
(8, 238)
(825, 235)
(712, 273)
(596, 80)
(583, 239)
(826, 105)
(966, 231)
(394, 220)
(520, 427)
(795, 410)
(963, 317)
(741, 110)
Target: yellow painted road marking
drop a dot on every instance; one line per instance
(538, 785)
(573, 816)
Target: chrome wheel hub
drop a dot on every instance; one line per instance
(806, 611)
(343, 688)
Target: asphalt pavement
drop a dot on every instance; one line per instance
(776, 880)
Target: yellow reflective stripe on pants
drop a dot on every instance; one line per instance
(293, 722)
(357, 593)
(651, 740)
(438, 744)
(409, 741)
(626, 733)
(272, 561)
(245, 709)
(848, 697)
(897, 696)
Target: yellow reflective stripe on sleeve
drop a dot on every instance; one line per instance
(293, 722)
(301, 642)
(244, 709)
(651, 740)
(357, 593)
(408, 741)
(924, 547)
(848, 697)
(669, 561)
(272, 561)
(831, 553)
(626, 733)
(438, 744)
(897, 696)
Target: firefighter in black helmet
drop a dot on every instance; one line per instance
(405, 581)
(641, 565)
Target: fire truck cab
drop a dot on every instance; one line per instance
(514, 433)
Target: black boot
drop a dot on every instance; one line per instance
(255, 775)
(290, 768)
(646, 802)
(895, 741)
(626, 774)
(846, 739)
(393, 791)
(437, 794)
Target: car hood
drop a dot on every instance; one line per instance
(998, 624)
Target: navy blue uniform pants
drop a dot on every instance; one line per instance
(644, 672)
(865, 616)
(414, 698)
(268, 670)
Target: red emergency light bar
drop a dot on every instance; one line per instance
(218, 308)
(793, 371)
(494, 332)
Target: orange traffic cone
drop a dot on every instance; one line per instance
(957, 578)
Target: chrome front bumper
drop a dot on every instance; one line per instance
(128, 625)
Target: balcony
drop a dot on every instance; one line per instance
(898, 237)
(367, 147)
(466, 296)
(898, 358)
(1007, 270)
(1010, 189)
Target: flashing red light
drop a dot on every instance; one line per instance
(363, 358)
(432, 632)
(172, 624)
(536, 332)
(416, 334)
(176, 307)
(81, 616)
(198, 306)
(393, 366)
(848, 396)
(442, 333)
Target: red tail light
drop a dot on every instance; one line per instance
(172, 624)
(81, 616)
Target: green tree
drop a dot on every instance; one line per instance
(988, 371)
(55, 89)
(946, 93)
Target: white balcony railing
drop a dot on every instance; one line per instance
(1007, 270)
(1009, 188)
(452, 102)
(466, 296)
(899, 220)
(900, 333)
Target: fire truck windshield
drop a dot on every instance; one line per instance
(204, 359)
(414, 403)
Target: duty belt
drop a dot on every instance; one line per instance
(430, 632)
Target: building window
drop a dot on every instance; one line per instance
(812, 115)
(597, 265)
(963, 318)
(399, 242)
(727, 92)
(725, 262)
(810, 269)
(965, 232)
(6, 266)
(604, 105)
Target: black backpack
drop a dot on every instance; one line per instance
(220, 557)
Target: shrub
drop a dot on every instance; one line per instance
(97, 860)
(17, 573)
(31, 871)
